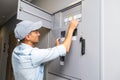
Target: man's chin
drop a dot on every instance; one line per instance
(36, 42)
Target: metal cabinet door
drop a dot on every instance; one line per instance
(28, 11)
(91, 33)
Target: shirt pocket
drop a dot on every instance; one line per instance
(26, 62)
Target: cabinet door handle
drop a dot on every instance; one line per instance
(82, 45)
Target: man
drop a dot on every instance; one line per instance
(27, 60)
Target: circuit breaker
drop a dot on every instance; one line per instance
(62, 38)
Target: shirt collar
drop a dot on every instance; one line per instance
(26, 45)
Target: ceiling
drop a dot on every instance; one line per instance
(8, 8)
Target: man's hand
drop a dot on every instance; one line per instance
(73, 24)
(57, 42)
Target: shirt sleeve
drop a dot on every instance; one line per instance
(39, 56)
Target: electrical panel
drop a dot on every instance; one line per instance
(79, 63)
(82, 62)
(64, 66)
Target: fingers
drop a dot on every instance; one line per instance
(57, 41)
(74, 23)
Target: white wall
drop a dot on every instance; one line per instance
(112, 39)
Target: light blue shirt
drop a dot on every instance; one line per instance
(27, 62)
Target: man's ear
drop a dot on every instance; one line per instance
(27, 37)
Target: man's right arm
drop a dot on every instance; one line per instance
(67, 42)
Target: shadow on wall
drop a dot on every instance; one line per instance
(12, 43)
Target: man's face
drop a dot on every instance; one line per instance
(34, 36)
